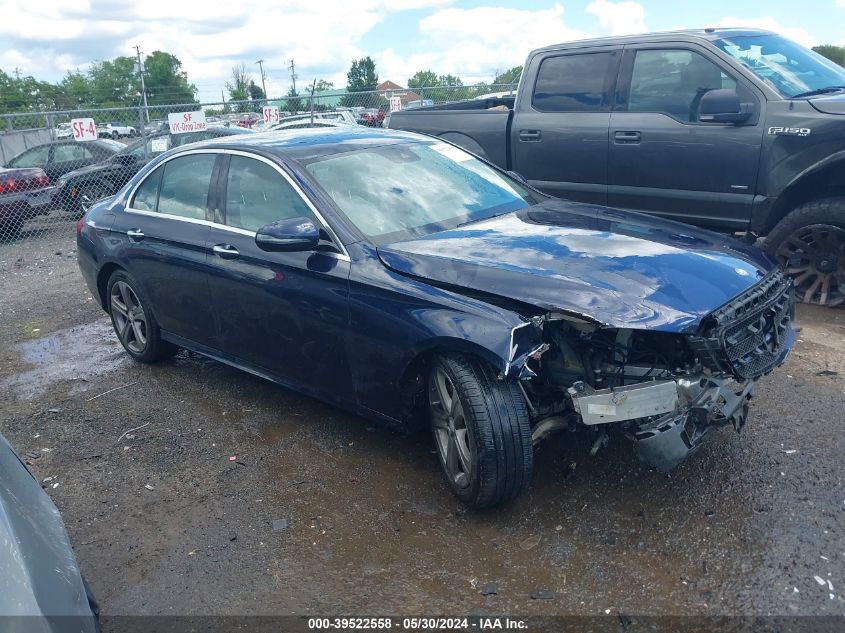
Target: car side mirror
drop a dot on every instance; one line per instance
(285, 236)
(722, 106)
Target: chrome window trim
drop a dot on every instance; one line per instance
(343, 255)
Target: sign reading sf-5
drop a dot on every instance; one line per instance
(404, 279)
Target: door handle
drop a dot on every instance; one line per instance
(627, 136)
(225, 251)
(136, 235)
(530, 136)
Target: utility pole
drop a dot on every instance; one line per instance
(143, 86)
(293, 75)
(260, 63)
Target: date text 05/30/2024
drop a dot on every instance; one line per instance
(418, 624)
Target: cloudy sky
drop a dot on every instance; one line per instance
(470, 38)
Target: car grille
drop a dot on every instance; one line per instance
(746, 336)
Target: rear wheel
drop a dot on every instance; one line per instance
(115, 134)
(133, 321)
(481, 429)
(810, 245)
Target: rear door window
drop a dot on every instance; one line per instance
(185, 184)
(35, 157)
(575, 83)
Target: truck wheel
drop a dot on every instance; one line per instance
(481, 430)
(810, 245)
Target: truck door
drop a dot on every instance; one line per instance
(559, 134)
(662, 159)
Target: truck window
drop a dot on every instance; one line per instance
(673, 82)
(573, 83)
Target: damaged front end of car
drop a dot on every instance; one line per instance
(665, 391)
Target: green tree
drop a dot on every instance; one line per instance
(510, 76)
(165, 81)
(835, 54)
(239, 88)
(423, 79)
(292, 102)
(115, 83)
(322, 85)
(255, 92)
(361, 77)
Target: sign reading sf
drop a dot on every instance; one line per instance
(181, 122)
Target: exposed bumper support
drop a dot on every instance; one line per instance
(667, 419)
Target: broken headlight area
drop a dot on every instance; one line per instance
(653, 387)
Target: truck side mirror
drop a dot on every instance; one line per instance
(722, 106)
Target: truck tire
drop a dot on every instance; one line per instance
(810, 245)
(481, 430)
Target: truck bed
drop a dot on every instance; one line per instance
(481, 126)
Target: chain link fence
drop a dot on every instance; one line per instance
(57, 164)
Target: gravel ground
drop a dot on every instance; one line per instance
(177, 516)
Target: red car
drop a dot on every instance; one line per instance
(24, 193)
(374, 117)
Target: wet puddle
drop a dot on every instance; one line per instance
(74, 355)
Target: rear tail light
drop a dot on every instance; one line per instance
(42, 181)
(79, 226)
(8, 185)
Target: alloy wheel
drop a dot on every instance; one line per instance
(128, 317)
(814, 256)
(450, 428)
(90, 195)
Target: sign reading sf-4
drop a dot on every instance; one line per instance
(83, 129)
(181, 122)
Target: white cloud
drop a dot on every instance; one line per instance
(475, 43)
(208, 37)
(619, 18)
(794, 33)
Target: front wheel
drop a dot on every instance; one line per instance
(115, 135)
(810, 245)
(133, 321)
(481, 429)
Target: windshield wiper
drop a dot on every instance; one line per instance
(818, 91)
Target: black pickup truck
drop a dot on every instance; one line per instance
(733, 129)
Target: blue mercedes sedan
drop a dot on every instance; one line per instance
(404, 279)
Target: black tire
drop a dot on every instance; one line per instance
(810, 245)
(115, 135)
(88, 194)
(140, 334)
(495, 462)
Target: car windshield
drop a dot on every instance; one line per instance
(790, 69)
(401, 191)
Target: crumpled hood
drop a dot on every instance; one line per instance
(831, 104)
(619, 268)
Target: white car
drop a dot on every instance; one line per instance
(63, 130)
(116, 129)
(343, 116)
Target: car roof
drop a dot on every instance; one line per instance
(306, 143)
(707, 34)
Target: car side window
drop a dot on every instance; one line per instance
(35, 157)
(66, 153)
(573, 83)
(672, 81)
(257, 194)
(147, 194)
(185, 184)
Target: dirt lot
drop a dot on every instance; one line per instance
(164, 521)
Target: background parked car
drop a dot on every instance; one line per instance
(63, 130)
(60, 157)
(295, 123)
(78, 189)
(115, 129)
(24, 193)
(41, 587)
